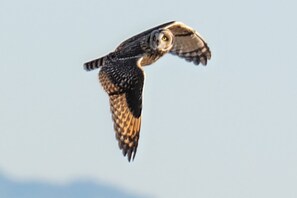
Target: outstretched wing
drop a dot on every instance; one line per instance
(123, 81)
(188, 44)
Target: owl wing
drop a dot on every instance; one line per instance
(188, 44)
(123, 81)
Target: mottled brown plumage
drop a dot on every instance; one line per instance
(122, 77)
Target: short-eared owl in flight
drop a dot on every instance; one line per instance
(122, 76)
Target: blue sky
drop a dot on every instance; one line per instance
(225, 130)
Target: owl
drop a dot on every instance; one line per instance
(121, 73)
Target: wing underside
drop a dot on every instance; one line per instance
(188, 44)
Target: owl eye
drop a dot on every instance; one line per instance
(164, 38)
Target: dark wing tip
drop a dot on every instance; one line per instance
(130, 152)
(205, 56)
(198, 56)
(129, 148)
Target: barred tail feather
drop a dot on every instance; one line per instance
(94, 64)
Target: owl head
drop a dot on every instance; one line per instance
(161, 40)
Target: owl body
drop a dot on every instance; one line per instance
(139, 48)
(122, 77)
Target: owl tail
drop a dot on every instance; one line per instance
(94, 64)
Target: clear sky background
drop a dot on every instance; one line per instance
(225, 130)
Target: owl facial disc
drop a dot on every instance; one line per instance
(161, 40)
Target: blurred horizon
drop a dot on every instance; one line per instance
(80, 188)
